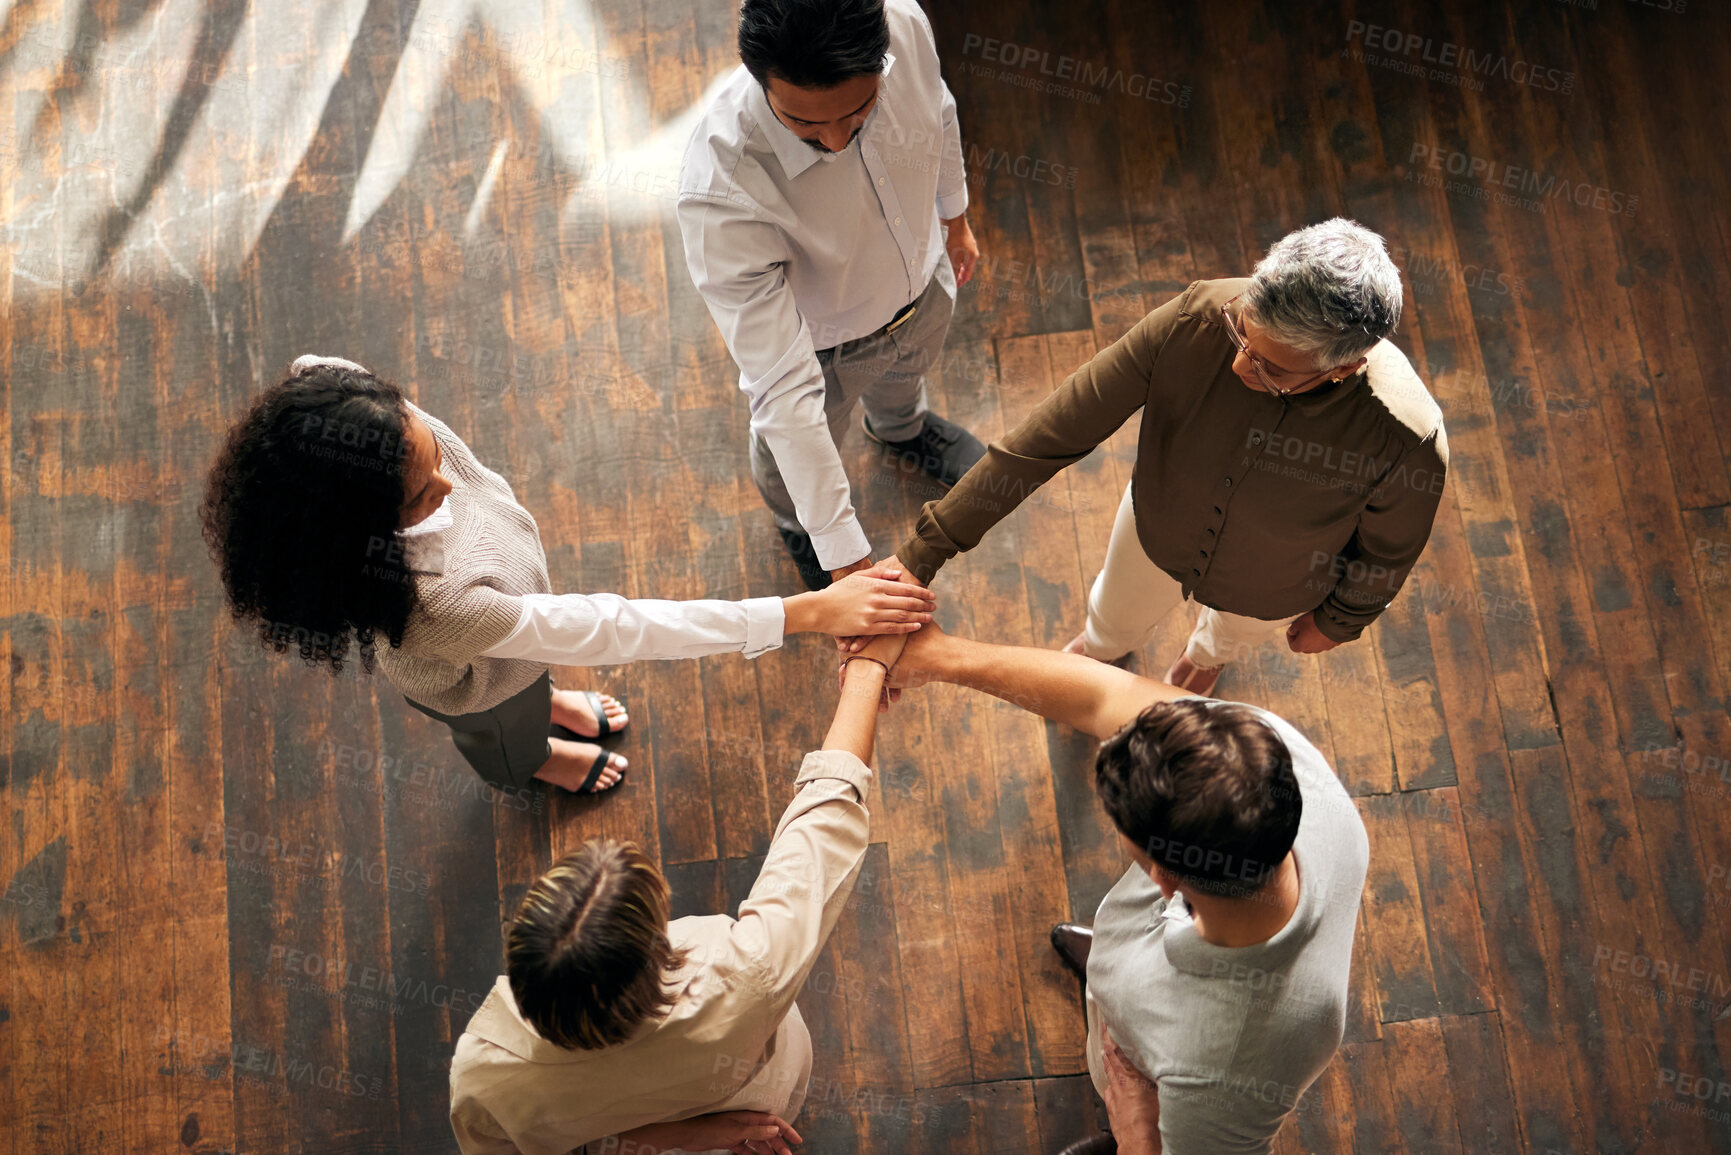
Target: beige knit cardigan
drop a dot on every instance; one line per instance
(493, 557)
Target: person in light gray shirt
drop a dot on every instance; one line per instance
(1217, 967)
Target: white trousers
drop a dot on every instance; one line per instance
(1132, 594)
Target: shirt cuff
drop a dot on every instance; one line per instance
(1337, 631)
(765, 624)
(922, 560)
(836, 764)
(841, 546)
(954, 205)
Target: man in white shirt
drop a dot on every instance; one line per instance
(822, 202)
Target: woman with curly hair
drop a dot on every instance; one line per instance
(340, 513)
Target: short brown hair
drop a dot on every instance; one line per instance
(1206, 789)
(588, 953)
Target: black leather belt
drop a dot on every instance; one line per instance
(901, 317)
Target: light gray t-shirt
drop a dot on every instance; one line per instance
(1233, 1036)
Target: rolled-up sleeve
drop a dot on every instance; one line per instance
(736, 262)
(604, 629)
(809, 871)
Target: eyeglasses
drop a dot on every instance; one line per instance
(1262, 372)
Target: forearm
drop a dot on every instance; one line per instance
(854, 727)
(952, 177)
(1390, 537)
(1078, 691)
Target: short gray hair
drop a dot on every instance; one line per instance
(1329, 290)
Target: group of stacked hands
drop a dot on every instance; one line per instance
(1288, 470)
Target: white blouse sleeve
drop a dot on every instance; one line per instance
(605, 629)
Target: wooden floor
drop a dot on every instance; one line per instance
(249, 907)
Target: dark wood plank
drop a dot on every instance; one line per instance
(1456, 936)
(978, 1117)
(1394, 915)
(1067, 1109)
(868, 977)
(1418, 1074)
(1483, 1108)
(1374, 1123)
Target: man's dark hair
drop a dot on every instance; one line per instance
(588, 953)
(813, 43)
(1206, 789)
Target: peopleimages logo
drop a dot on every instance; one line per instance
(1445, 54)
(1069, 69)
(1496, 176)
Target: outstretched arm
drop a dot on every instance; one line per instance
(819, 842)
(862, 683)
(1085, 410)
(601, 629)
(1080, 692)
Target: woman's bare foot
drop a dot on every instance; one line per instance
(571, 762)
(571, 709)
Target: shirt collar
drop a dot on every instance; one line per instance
(1328, 395)
(500, 1022)
(1187, 950)
(795, 154)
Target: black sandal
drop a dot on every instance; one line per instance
(601, 763)
(600, 713)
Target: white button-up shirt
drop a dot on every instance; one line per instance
(796, 250)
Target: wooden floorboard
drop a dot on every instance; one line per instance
(472, 200)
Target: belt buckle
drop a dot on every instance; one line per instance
(901, 318)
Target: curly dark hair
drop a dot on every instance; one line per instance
(301, 511)
(1206, 789)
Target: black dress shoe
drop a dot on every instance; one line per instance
(811, 573)
(943, 449)
(1101, 1144)
(1072, 943)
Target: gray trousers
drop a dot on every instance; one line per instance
(887, 372)
(508, 743)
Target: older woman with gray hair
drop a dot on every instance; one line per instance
(1288, 466)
